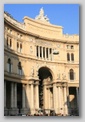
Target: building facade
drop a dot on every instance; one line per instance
(41, 67)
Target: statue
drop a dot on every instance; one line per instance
(49, 79)
(32, 71)
(41, 12)
(63, 76)
(41, 16)
(58, 76)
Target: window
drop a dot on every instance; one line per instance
(7, 41)
(72, 47)
(67, 46)
(68, 57)
(18, 35)
(10, 43)
(21, 36)
(9, 65)
(44, 53)
(19, 68)
(8, 29)
(71, 74)
(11, 31)
(20, 47)
(17, 46)
(72, 57)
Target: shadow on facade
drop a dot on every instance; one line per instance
(16, 98)
(73, 102)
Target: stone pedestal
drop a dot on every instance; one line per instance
(25, 110)
(13, 111)
(6, 112)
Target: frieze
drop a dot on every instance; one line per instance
(43, 43)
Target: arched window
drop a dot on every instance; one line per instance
(71, 74)
(68, 57)
(19, 68)
(72, 56)
(9, 65)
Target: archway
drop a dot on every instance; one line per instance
(45, 75)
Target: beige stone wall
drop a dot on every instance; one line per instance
(30, 35)
(29, 42)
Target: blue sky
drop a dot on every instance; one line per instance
(66, 15)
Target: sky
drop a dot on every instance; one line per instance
(65, 15)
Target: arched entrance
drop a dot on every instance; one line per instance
(45, 76)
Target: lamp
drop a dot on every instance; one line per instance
(55, 52)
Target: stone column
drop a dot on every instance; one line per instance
(32, 98)
(15, 95)
(61, 99)
(23, 96)
(77, 95)
(27, 96)
(12, 95)
(65, 100)
(37, 95)
(54, 97)
(52, 54)
(5, 109)
(5, 94)
(68, 100)
(38, 51)
(48, 54)
(45, 95)
(24, 109)
(49, 98)
(15, 109)
(12, 111)
(42, 52)
(57, 100)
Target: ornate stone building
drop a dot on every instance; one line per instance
(41, 67)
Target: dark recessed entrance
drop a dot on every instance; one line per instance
(44, 73)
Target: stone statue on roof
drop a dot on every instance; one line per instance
(41, 12)
(41, 16)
